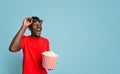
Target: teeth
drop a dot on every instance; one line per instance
(38, 30)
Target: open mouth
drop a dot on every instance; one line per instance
(38, 31)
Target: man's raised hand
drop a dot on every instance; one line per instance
(27, 21)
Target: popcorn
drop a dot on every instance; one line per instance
(50, 53)
(49, 60)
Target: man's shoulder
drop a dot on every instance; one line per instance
(25, 37)
(44, 38)
(41, 38)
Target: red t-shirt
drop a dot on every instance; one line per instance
(32, 54)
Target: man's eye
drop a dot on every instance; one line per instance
(35, 24)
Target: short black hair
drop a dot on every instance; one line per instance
(35, 19)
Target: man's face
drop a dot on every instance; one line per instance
(36, 29)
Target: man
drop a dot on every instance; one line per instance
(32, 46)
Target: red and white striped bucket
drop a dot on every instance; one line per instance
(49, 61)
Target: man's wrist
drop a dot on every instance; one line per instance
(24, 26)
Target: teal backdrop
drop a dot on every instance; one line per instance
(84, 33)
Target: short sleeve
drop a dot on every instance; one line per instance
(22, 43)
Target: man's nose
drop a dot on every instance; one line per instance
(38, 26)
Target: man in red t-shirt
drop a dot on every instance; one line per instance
(32, 46)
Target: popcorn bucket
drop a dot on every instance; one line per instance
(49, 60)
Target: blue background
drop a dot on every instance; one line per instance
(84, 33)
